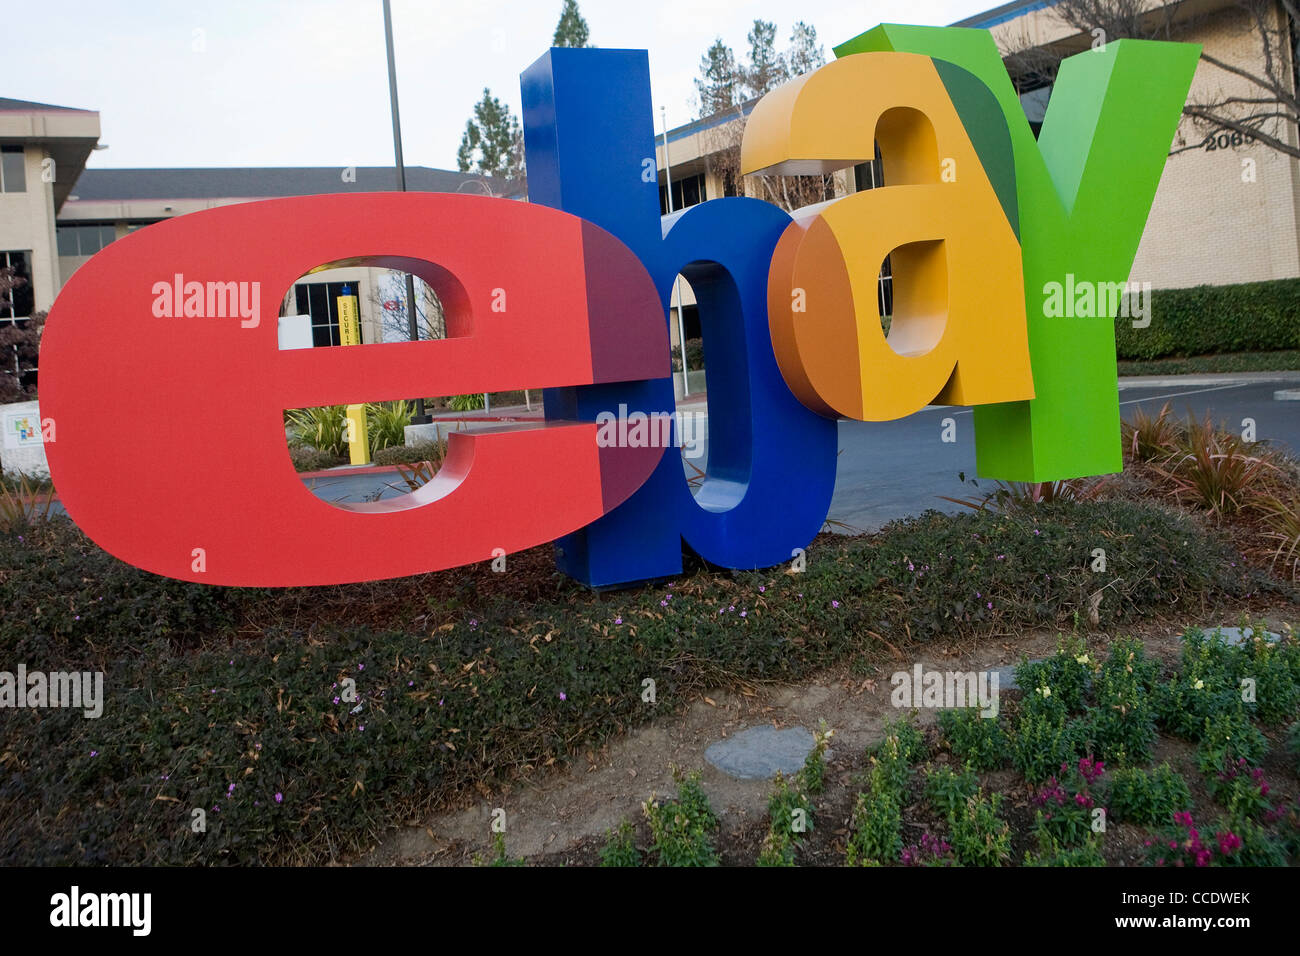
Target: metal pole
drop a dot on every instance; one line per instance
(677, 279)
(412, 320)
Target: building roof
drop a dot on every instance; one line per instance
(8, 105)
(1008, 11)
(269, 182)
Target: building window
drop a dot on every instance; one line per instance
(320, 301)
(688, 191)
(13, 171)
(84, 238)
(1034, 103)
(21, 301)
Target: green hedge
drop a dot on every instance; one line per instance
(1250, 317)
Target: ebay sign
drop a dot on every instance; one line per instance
(568, 293)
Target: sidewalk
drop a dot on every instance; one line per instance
(1206, 378)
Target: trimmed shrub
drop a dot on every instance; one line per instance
(1251, 316)
(430, 451)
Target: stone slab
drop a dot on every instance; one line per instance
(758, 753)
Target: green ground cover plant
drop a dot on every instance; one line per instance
(232, 700)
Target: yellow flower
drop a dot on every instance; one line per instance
(1198, 685)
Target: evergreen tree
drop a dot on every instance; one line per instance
(718, 80)
(805, 54)
(766, 68)
(492, 139)
(572, 29)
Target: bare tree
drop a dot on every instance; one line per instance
(726, 88)
(1266, 110)
(722, 157)
(19, 345)
(388, 301)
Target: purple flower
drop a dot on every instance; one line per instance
(835, 604)
(94, 753)
(279, 798)
(744, 613)
(562, 696)
(762, 588)
(618, 620)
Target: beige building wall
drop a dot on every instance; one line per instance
(55, 142)
(1224, 215)
(127, 216)
(1208, 223)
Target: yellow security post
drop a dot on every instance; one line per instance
(350, 334)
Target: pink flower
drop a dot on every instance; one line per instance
(1228, 842)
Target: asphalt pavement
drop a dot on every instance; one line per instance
(890, 469)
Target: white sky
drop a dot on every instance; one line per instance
(304, 82)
